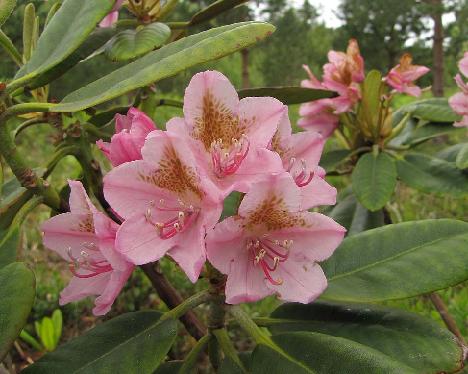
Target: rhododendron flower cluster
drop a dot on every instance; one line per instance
(344, 75)
(168, 189)
(459, 101)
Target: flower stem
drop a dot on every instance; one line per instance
(446, 316)
(227, 347)
(191, 359)
(190, 303)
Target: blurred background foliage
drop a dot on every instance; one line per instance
(385, 29)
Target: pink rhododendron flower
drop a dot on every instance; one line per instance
(301, 154)
(272, 247)
(113, 16)
(167, 205)
(130, 134)
(228, 136)
(85, 238)
(403, 76)
(341, 74)
(459, 101)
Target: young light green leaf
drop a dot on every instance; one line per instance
(419, 343)
(6, 8)
(17, 291)
(374, 179)
(166, 62)
(462, 157)
(130, 44)
(370, 104)
(287, 95)
(432, 175)
(379, 264)
(46, 333)
(57, 321)
(29, 27)
(131, 343)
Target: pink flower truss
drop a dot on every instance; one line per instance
(113, 16)
(341, 74)
(403, 76)
(301, 154)
(272, 247)
(228, 136)
(85, 238)
(130, 134)
(459, 101)
(167, 205)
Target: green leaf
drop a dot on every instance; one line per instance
(450, 153)
(307, 352)
(29, 26)
(17, 291)
(434, 110)
(350, 214)
(374, 179)
(287, 95)
(130, 44)
(12, 198)
(9, 242)
(214, 9)
(165, 62)
(430, 130)
(419, 343)
(131, 343)
(6, 8)
(432, 175)
(57, 321)
(398, 261)
(169, 367)
(66, 31)
(462, 157)
(46, 333)
(330, 160)
(370, 104)
(231, 203)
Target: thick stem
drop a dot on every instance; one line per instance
(227, 347)
(446, 316)
(188, 304)
(172, 298)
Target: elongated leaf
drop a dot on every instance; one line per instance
(287, 95)
(406, 337)
(374, 180)
(450, 153)
(432, 175)
(13, 197)
(370, 104)
(9, 242)
(169, 367)
(214, 9)
(29, 24)
(131, 343)
(330, 160)
(17, 290)
(427, 131)
(398, 261)
(354, 217)
(6, 8)
(434, 110)
(130, 44)
(57, 321)
(462, 157)
(70, 26)
(165, 62)
(323, 354)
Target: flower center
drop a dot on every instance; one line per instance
(268, 254)
(184, 216)
(302, 176)
(226, 160)
(85, 266)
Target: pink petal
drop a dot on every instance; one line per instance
(139, 241)
(324, 123)
(307, 146)
(414, 73)
(459, 103)
(280, 187)
(79, 288)
(79, 200)
(317, 192)
(141, 124)
(462, 123)
(261, 116)
(116, 282)
(208, 88)
(463, 64)
(313, 82)
(110, 19)
(302, 282)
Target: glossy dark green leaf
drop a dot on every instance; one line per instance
(350, 214)
(430, 130)
(165, 62)
(6, 8)
(307, 352)
(432, 175)
(231, 203)
(417, 342)
(66, 31)
(131, 343)
(462, 157)
(169, 367)
(434, 110)
(398, 261)
(214, 9)
(330, 160)
(130, 44)
(12, 198)
(374, 179)
(287, 95)
(9, 242)
(17, 291)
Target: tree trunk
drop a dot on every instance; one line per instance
(245, 68)
(438, 49)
